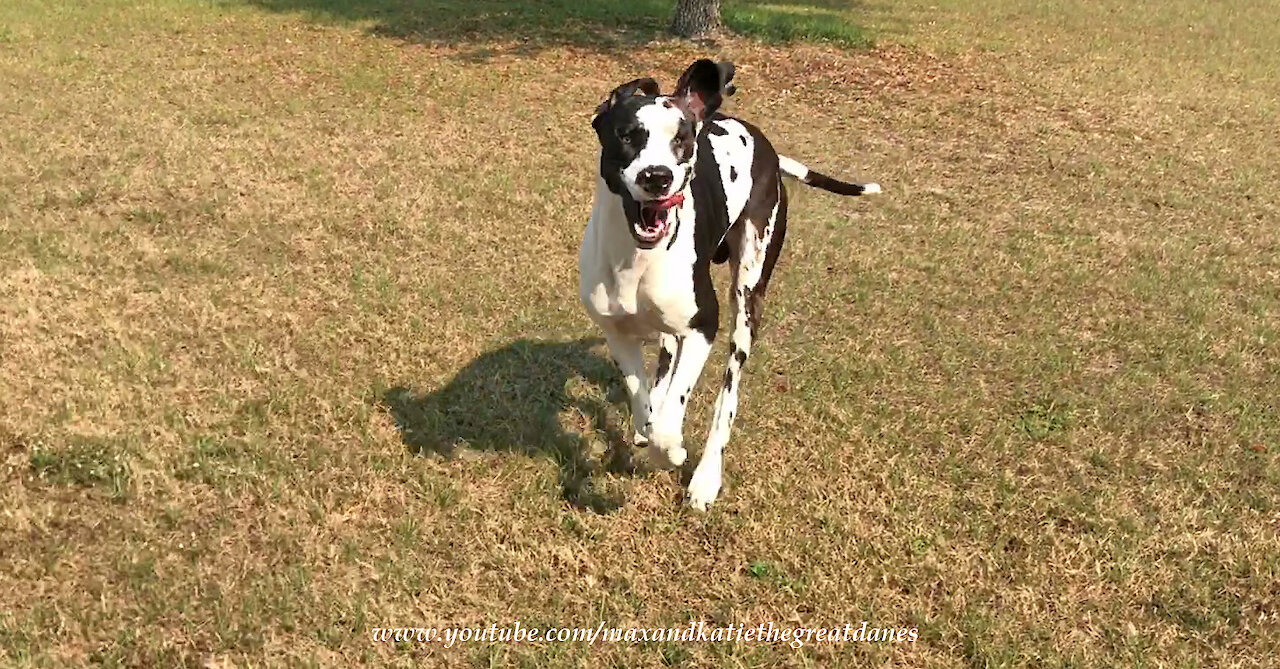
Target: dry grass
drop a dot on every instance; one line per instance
(257, 267)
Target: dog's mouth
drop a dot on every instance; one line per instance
(653, 219)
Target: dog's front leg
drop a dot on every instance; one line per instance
(667, 357)
(628, 354)
(666, 442)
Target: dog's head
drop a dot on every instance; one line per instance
(648, 142)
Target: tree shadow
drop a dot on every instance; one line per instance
(606, 25)
(517, 399)
(486, 28)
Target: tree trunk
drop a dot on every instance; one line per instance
(697, 19)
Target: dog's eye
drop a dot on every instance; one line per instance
(625, 136)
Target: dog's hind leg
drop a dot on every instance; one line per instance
(755, 262)
(628, 354)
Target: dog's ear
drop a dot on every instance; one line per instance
(703, 86)
(643, 85)
(727, 70)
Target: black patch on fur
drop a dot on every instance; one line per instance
(621, 136)
(743, 138)
(664, 364)
(722, 254)
(820, 180)
(728, 379)
(733, 173)
(682, 399)
(741, 357)
(683, 143)
(710, 223)
(707, 319)
(765, 181)
(755, 297)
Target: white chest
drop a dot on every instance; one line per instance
(638, 292)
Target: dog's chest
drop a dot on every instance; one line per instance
(640, 292)
(652, 294)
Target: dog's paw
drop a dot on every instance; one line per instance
(704, 487)
(666, 455)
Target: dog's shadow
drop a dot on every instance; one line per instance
(519, 398)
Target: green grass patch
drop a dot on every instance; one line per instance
(794, 23)
(84, 462)
(1043, 420)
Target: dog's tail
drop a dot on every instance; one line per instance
(818, 180)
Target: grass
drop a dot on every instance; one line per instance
(289, 348)
(84, 463)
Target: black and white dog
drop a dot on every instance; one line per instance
(681, 187)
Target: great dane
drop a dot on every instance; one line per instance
(682, 186)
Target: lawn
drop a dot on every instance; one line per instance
(290, 347)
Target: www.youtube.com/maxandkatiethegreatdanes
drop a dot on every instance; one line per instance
(796, 637)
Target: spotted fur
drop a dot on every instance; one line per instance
(682, 187)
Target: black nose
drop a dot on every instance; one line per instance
(655, 180)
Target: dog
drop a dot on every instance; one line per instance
(680, 187)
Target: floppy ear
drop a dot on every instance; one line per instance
(644, 85)
(703, 86)
(727, 71)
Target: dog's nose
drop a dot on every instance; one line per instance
(655, 180)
